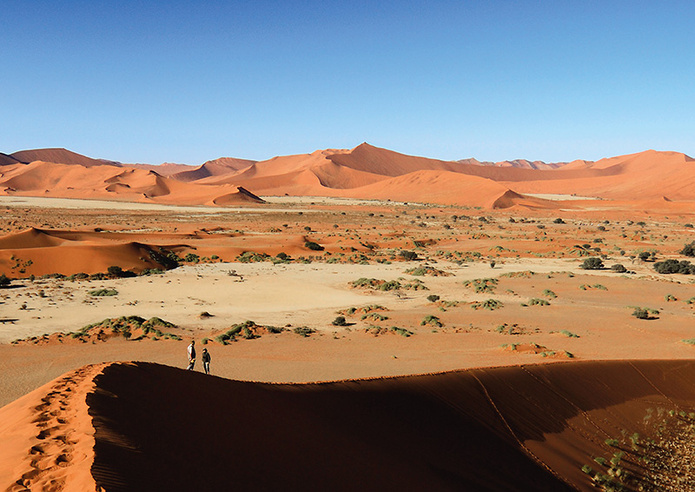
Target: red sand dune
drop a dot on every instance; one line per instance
(8, 160)
(507, 429)
(41, 252)
(216, 167)
(363, 172)
(59, 156)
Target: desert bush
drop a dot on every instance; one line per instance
(689, 249)
(558, 221)
(103, 292)
(675, 266)
(191, 258)
(374, 317)
(670, 298)
(644, 313)
(538, 302)
(433, 298)
(408, 255)
(313, 246)
(592, 263)
(339, 321)
(549, 293)
(481, 285)
(618, 268)
(4, 280)
(431, 320)
(251, 257)
(490, 304)
(569, 334)
(304, 331)
(115, 271)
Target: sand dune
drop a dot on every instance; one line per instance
(59, 156)
(363, 172)
(217, 167)
(144, 426)
(40, 252)
(8, 160)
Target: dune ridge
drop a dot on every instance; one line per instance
(651, 178)
(530, 427)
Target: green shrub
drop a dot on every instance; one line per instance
(675, 266)
(689, 249)
(592, 263)
(490, 304)
(538, 302)
(618, 268)
(433, 298)
(304, 331)
(431, 320)
(4, 280)
(644, 313)
(549, 293)
(191, 258)
(313, 246)
(408, 255)
(103, 292)
(339, 321)
(481, 285)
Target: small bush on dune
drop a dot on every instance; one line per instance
(689, 249)
(4, 280)
(432, 321)
(339, 321)
(408, 255)
(313, 246)
(618, 268)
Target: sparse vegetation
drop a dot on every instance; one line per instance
(538, 302)
(618, 268)
(103, 292)
(339, 321)
(645, 313)
(432, 321)
(481, 285)
(489, 304)
(675, 266)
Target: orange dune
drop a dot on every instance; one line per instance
(242, 195)
(216, 167)
(59, 156)
(39, 252)
(145, 426)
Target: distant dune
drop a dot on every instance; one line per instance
(59, 156)
(143, 426)
(652, 178)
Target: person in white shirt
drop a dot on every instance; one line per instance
(191, 355)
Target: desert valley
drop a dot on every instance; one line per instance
(375, 320)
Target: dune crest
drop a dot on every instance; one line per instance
(448, 431)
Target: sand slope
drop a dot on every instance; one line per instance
(59, 156)
(161, 428)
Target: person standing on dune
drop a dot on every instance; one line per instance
(206, 361)
(191, 355)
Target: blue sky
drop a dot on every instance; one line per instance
(188, 81)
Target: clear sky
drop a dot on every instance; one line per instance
(188, 81)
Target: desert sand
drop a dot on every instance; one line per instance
(343, 267)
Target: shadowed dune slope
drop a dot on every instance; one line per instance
(506, 429)
(59, 156)
(7, 160)
(216, 167)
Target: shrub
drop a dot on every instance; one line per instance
(304, 331)
(592, 263)
(689, 249)
(549, 293)
(313, 246)
(433, 298)
(408, 255)
(538, 302)
(618, 268)
(431, 320)
(103, 292)
(644, 313)
(482, 284)
(558, 221)
(115, 271)
(192, 258)
(339, 321)
(490, 304)
(675, 266)
(4, 281)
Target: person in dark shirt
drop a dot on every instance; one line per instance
(206, 361)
